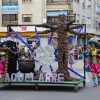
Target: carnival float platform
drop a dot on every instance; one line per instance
(37, 83)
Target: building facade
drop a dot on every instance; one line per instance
(83, 11)
(22, 12)
(29, 12)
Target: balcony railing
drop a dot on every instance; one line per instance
(55, 22)
(59, 2)
(5, 23)
(52, 23)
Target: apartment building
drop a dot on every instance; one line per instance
(22, 12)
(88, 12)
(29, 12)
(83, 11)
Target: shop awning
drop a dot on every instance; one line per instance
(10, 7)
(10, 12)
(56, 13)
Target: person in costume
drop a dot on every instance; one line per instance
(2, 57)
(11, 43)
(2, 54)
(94, 65)
(71, 60)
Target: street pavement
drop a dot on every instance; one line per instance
(53, 92)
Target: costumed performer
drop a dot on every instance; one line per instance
(94, 65)
(2, 44)
(11, 43)
(2, 57)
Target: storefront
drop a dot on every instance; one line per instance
(33, 41)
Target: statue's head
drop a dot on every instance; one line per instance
(62, 17)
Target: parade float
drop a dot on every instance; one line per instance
(45, 56)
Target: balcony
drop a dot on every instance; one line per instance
(52, 23)
(54, 20)
(59, 2)
(5, 23)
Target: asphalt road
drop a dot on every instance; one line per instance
(53, 92)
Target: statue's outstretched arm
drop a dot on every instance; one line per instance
(52, 28)
(76, 26)
(44, 32)
(44, 25)
(77, 33)
(70, 22)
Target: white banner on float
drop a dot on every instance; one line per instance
(22, 28)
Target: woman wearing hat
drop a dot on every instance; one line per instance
(94, 65)
(11, 43)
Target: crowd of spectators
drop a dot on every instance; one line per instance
(76, 51)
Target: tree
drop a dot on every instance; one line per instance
(62, 28)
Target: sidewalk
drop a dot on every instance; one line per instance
(78, 65)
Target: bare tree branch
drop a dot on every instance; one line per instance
(52, 28)
(76, 26)
(44, 32)
(70, 22)
(44, 25)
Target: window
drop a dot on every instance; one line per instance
(77, 0)
(69, 18)
(98, 8)
(9, 2)
(27, 18)
(26, 0)
(83, 19)
(96, 23)
(88, 21)
(77, 17)
(98, 1)
(9, 19)
(55, 19)
(83, 1)
(52, 19)
(89, 3)
(69, 0)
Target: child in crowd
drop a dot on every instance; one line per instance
(71, 60)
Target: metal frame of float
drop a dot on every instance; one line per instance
(37, 82)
